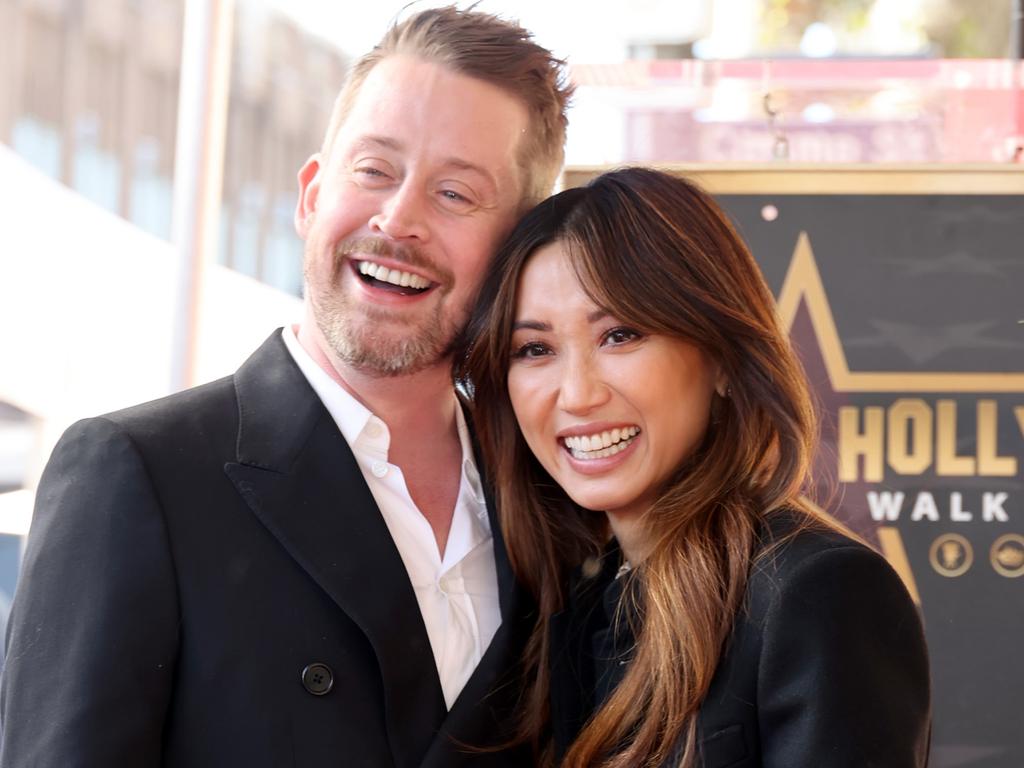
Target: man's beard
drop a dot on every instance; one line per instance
(353, 331)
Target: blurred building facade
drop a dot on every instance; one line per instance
(90, 93)
(90, 87)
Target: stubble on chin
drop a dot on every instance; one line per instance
(373, 340)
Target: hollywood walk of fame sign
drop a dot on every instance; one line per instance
(903, 293)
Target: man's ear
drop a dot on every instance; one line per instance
(309, 190)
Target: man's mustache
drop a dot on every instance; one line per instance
(402, 254)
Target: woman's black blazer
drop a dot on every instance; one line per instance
(826, 665)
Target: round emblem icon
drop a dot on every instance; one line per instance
(951, 555)
(1007, 555)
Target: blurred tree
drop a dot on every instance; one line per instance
(970, 29)
(934, 28)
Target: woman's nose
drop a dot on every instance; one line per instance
(581, 388)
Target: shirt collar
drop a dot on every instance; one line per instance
(469, 469)
(351, 416)
(360, 427)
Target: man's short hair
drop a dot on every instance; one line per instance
(491, 49)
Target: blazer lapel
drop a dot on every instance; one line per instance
(299, 477)
(566, 694)
(511, 596)
(485, 708)
(571, 635)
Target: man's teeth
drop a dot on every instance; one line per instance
(601, 445)
(393, 276)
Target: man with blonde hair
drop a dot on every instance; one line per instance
(299, 564)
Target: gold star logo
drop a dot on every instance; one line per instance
(803, 286)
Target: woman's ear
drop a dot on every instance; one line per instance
(309, 190)
(722, 383)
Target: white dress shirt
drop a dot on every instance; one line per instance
(457, 594)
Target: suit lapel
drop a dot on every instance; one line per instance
(483, 713)
(510, 594)
(299, 477)
(571, 634)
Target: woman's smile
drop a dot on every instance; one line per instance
(600, 445)
(610, 411)
(599, 452)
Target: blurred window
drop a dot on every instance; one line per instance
(283, 266)
(97, 172)
(284, 81)
(152, 189)
(39, 143)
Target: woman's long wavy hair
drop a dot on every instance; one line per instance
(657, 253)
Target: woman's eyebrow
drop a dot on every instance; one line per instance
(530, 325)
(536, 325)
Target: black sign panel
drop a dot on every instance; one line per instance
(908, 314)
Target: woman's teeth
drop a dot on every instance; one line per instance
(602, 445)
(393, 276)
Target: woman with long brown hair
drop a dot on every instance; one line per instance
(650, 434)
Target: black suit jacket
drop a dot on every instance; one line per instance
(189, 558)
(826, 666)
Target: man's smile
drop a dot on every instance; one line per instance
(389, 279)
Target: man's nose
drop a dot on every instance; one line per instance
(581, 389)
(403, 214)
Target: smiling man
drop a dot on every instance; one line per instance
(299, 564)
(403, 210)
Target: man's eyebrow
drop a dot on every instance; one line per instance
(530, 325)
(384, 142)
(464, 165)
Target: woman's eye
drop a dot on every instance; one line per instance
(621, 335)
(530, 350)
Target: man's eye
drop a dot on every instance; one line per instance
(370, 174)
(456, 199)
(621, 335)
(529, 350)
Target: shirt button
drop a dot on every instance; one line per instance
(379, 469)
(373, 429)
(442, 584)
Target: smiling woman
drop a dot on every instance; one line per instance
(650, 433)
(609, 411)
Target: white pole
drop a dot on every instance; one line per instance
(198, 167)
